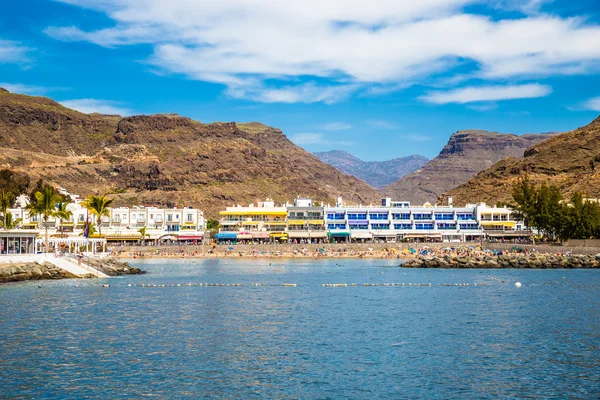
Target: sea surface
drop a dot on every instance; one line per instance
(77, 339)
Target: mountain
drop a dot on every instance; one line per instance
(376, 173)
(163, 159)
(466, 153)
(570, 160)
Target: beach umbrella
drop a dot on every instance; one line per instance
(230, 248)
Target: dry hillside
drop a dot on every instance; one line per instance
(570, 160)
(465, 154)
(163, 159)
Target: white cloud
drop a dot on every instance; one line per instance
(418, 138)
(381, 124)
(304, 139)
(89, 106)
(13, 52)
(337, 126)
(29, 89)
(347, 46)
(591, 104)
(487, 93)
(302, 93)
(481, 107)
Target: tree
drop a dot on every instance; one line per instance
(98, 206)
(13, 182)
(8, 222)
(212, 224)
(44, 206)
(6, 199)
(142, 231)
(91, 230)
(62, 213)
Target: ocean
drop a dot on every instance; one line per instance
(483, 338)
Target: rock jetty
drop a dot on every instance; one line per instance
(505, 261)
(32, 271)
(113, 267)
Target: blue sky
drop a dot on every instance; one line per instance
(379, 79)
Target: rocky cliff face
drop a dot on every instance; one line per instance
(163, 159)
(570, 160)
(465, 154)
(376, 173)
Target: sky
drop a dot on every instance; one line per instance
(379, 78)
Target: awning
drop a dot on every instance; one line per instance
(277, 213)
(227, 235)
(250, 223)
(278, 235)
(277, 223)
(298, 235)
(244, 236)
(507, 233)
(422, 235)
(67, 223)
(260, 235)
(30, 224)
(296, 222)
(316, 222)
(317, 235)
(360, 223)
(121, 238)
(338, 234)
(361, 235)
(498, 223)
(190, 237)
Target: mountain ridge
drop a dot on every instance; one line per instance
(466, 153)
(570, 160)
(376, 173)
(163, 159)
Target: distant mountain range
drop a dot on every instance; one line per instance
(467, 153)
(376, 173)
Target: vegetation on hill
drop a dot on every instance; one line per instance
(543, 208)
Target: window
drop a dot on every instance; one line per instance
(133, 217)
(405, 216)
(170, 217)
(444, 216)
(422, 217)
(336, 226)
(335, 216)
(380, 226)
(468, 226)
(189, 218)
(378, 216)
(359, 226)
(422, 227)
(403, 226)
(446, 226)
(465, 216)
(357, 216)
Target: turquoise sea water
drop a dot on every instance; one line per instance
(76, 339)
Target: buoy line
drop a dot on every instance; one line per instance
(287, 284)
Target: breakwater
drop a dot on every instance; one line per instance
(539, 261)
(32, 271)
(113, 267)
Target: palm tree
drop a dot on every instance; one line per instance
(142, 231)
(62, 214)
(91, 230)
(9, 223)
(98, 206)
(5, 202)
(44, 206)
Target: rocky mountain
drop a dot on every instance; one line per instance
(376, 173)
(466, 153)
(570, 160)
(163, 159)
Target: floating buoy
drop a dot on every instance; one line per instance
(106, 285)
(518, 284)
